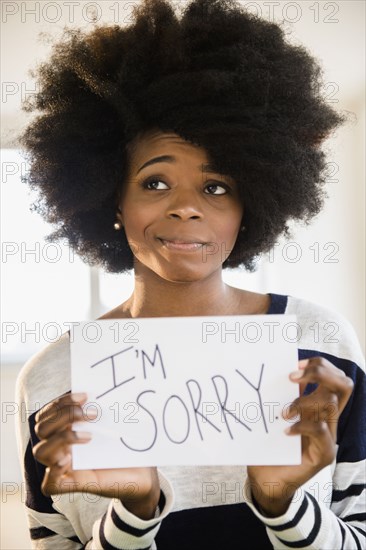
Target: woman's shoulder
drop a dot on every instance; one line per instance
(46, 374)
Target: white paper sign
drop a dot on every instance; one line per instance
(186, 390)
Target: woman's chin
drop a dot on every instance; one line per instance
(184, 275)
(184, 272)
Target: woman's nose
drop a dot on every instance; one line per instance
(184, 206)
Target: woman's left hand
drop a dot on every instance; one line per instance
(274, 486)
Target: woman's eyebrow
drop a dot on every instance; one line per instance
(168, 158)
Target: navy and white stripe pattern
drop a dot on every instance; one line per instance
(328, 512)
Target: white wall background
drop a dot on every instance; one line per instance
(323, 263)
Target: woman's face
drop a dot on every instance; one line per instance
(181, 221)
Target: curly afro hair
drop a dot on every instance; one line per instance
(216, 75)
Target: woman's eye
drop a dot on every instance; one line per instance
(216, 189)
(155, 184)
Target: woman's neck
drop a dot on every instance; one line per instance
(156, 297)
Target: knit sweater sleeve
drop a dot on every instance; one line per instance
(335, 517)
(74, 520)
(118, 528)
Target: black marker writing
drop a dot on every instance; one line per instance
(196, 406)
(223, 401)
(257, 389)
(164, 421)
(156, 352)
(154, 422)
(111, 359)
(145, 358)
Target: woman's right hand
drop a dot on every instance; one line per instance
(137, 488)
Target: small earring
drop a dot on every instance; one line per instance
(117, 226)
(243, 228)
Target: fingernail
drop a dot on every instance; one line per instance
(287, 430)
(296, 375)
(303, 363)
(83, 435)
(77, 397)
(64, 460)
(90, 414)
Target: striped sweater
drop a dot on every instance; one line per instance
(208, 507)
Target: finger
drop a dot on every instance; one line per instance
(49, 452)
(57, 420)
(318, 368)
(320, 443)
(63, 417)
(320, 364)
(303, 363)
(67, 399)
(301, 366)
(327, 376)
(296, 375)
(315, 407)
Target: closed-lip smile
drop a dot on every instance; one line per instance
(185, 244)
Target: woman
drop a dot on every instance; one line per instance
(179, 147)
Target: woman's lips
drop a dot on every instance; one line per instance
(182, 245)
